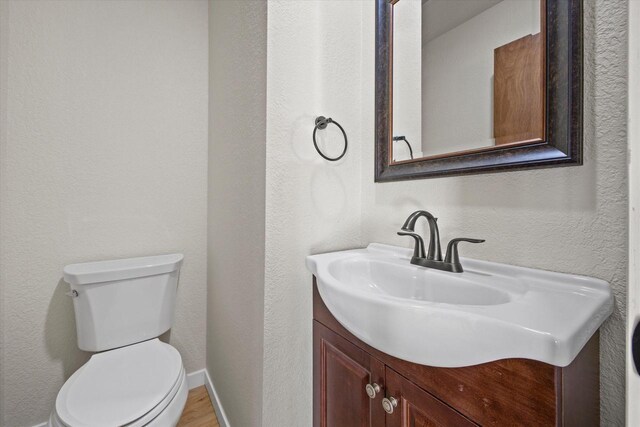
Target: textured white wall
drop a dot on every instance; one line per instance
(563, 219)
(237, 133)
(103, 155)
(313, 68)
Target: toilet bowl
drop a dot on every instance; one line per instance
(139, 385)
(133, 379)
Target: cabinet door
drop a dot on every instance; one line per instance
(341, 372)
(411, 406)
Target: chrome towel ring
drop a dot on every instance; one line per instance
(322, 123)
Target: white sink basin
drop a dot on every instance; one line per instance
(491, 311)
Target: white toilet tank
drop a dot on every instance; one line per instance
(125, 301)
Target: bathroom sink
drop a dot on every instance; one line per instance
(489, 312)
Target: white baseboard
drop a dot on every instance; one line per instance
(197, 379)
(215, 401)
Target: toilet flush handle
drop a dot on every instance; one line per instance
(72, 294)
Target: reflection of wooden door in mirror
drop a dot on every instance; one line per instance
(518, 91)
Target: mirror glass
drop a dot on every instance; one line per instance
(467, 76)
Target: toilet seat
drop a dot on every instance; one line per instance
(128, 386)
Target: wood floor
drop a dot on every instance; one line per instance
(198, 412)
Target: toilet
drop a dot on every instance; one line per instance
(133, 379)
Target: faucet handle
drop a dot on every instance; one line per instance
(418, 249)
(452, 251)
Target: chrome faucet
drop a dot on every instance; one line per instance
(433, 258)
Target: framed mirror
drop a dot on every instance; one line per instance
(472, 86)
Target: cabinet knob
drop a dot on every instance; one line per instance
(372, 390)
(388, 404)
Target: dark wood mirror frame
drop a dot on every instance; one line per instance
(563, 105)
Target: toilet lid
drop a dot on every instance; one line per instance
(119, 386)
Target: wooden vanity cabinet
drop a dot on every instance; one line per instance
(512, 392)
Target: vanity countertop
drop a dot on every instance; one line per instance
(489, 312)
